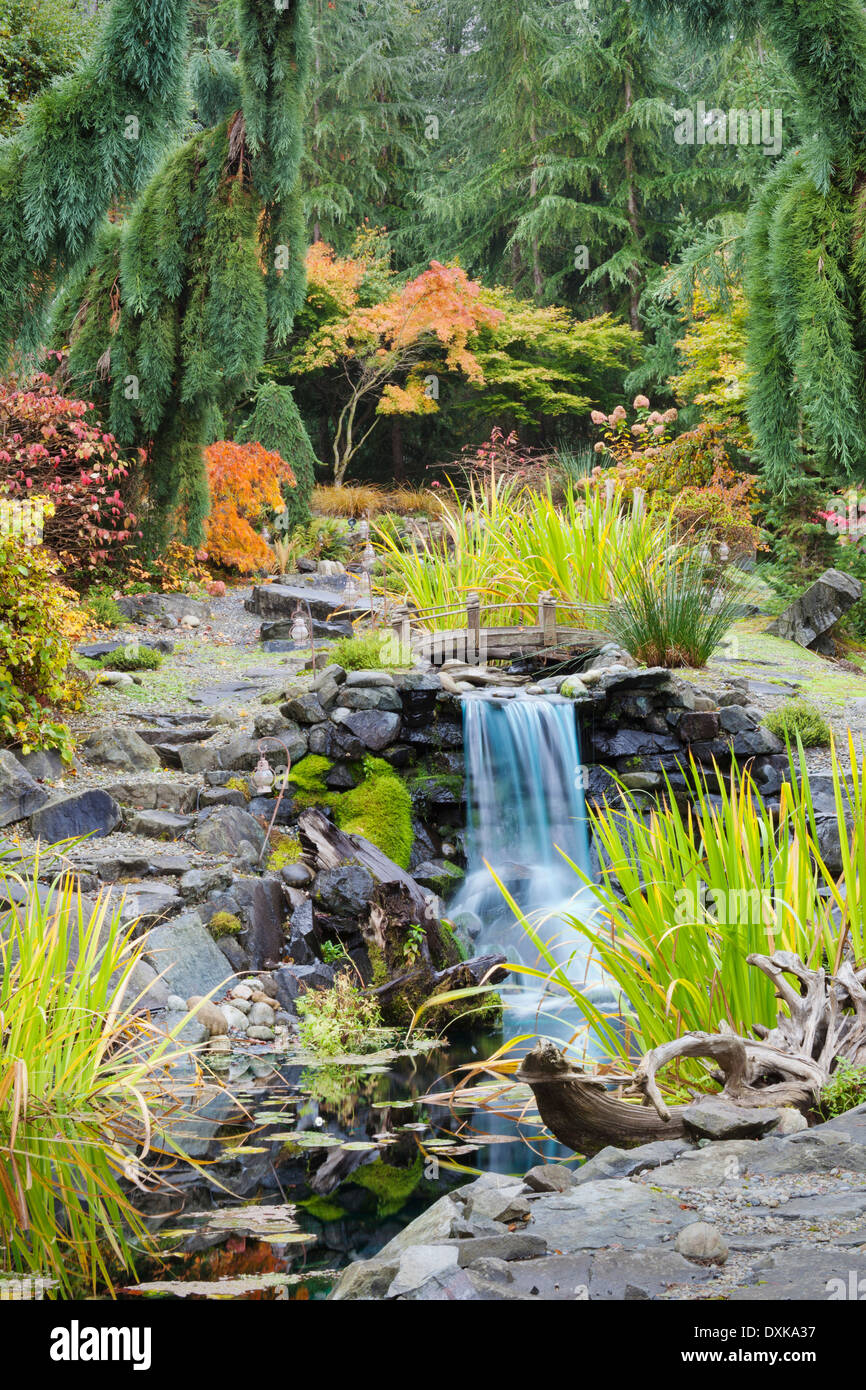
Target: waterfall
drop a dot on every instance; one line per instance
(525, 800)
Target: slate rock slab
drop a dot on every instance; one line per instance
(186, 956)
(224, 829)
(811, 618)
(120, 749)
(20, 795)
(68, 817)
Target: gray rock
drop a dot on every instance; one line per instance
(224, 829)
(629, 1275)
(334, 741)
(550, 1177)
(376, 729)
(281, 600)
(260, 1032)
(198, 757)
(20, 795)
(714, 1118)
(68, 817)
(304, 709)
(120, 749)
(263, 909)
(806, 1275)
(498, 1204)
(43, 764)
(812, 617)
(184, 953)
(293, 980)
(418, 1264)
(703, 1243)
(378, 697)
(222, 796)
(345, 892)
(176, 606)
(440, 876)
(158, 825)
(303, 936)
(154, 796)
(261, 1014)
(623, 1163)
(736, 720)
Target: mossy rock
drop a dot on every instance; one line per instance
(224, 924)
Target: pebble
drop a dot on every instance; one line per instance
(261, 1015)
(261, 1034)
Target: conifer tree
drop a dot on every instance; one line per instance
(806, 251)
(169, 321)
(86, 142)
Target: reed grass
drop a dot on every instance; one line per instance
(685, 896)
(82, 1098)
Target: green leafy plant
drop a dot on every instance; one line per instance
(135, 657)
(370, 651)
(799, 719)
(675, 612)
(35, 676)
(103, 607)
(340, 1019)
(845, 1089)
(332, 952)
(685, 897)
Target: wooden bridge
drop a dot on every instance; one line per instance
(478, 643)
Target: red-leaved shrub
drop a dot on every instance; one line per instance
(52, 446)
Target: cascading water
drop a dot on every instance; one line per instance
(524, 789)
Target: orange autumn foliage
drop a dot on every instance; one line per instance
(246, 484)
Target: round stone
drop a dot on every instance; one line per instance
(703, 1243)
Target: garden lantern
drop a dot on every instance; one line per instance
(263, 778)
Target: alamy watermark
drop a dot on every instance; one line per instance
(23, 519)
(759, 127)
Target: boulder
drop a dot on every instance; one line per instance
(121, 749)
(69, 817)
(714, 1118)
(223, 829)
(154, 796)
(809, 621)
(140, 607)
(375, 729)
(304, 709)
(281, 600)
(186, 956)
(20, 795)
(43, 764)
(344, 892)
(157, 825)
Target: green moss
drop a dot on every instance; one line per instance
(224, 924)
(391, 1186)
(798, 717)
(322, 1209)
(239, 784)
(308, 779)
(287, 850)
(380, 809)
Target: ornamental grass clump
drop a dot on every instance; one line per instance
(82, 1100)
(799, 719)
(676, 611)
(684, 897)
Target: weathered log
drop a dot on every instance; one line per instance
(331, 848)
(821, 1021)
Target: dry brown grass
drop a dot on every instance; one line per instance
(360, 499)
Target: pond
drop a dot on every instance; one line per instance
(308, 1164)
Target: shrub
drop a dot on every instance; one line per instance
(799, 719)
(339, 1019)
(845, 1089)
(131, 658)
(103, 609)
(53, 446)
(35, 679)
(373, 651)
(246, 483)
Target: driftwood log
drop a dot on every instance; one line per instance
(822, 1022)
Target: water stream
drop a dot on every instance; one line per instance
(526, 819)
